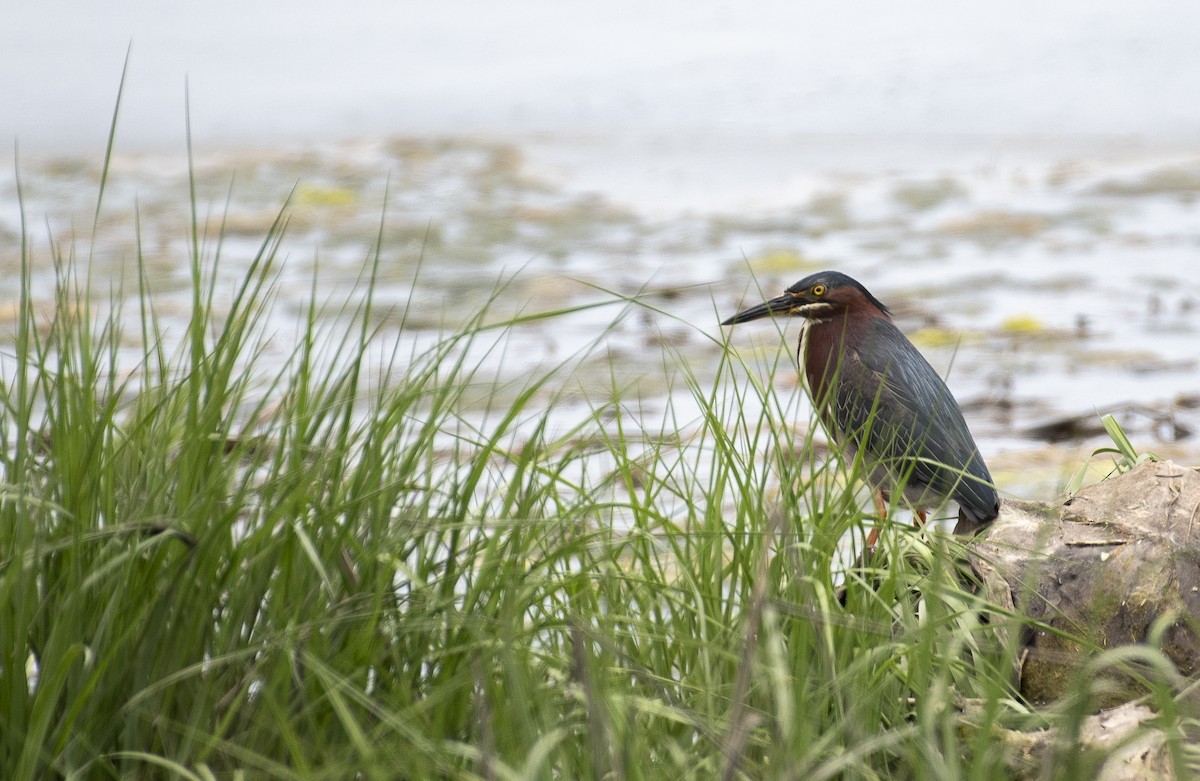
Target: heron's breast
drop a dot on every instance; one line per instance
(819, 356)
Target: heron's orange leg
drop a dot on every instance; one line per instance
(919, 518)
(881, 509)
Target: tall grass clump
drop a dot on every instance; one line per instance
(347, 567)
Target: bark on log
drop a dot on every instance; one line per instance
(1111, 565)
(1120, 744)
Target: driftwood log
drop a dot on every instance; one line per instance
(1115, 564)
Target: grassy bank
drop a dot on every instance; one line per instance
(349, 567)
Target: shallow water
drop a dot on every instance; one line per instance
(1045, 287)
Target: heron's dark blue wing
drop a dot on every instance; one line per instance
(892, 404)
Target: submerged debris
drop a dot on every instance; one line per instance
(1161, 421)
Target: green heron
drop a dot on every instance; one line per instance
(875, 393)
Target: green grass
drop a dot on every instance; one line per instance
(345, 570)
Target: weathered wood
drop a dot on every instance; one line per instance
(1119, 744)
(1107, 566)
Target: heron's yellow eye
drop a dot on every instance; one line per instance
(818, 290)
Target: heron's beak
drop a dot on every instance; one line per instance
(783, 305)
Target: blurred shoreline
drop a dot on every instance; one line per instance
(666, 174)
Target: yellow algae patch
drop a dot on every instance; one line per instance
(333, 197)
(779, 261)
(932, 336)
(1023, 324)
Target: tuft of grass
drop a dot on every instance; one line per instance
(1125, 455)
(342, 567)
